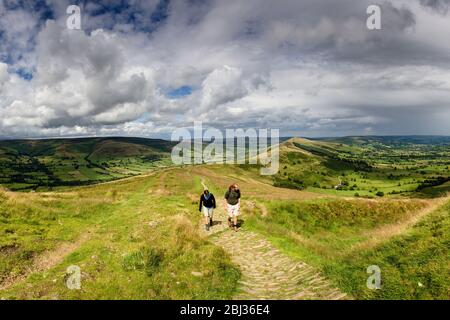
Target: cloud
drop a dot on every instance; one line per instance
(221, 86)
(440, 6)
(308, 67)
(4, 76)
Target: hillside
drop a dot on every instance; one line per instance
(308, 232)
(142, 238)
(365, 166)
(350, 166)
(42, 164)
(429, 141)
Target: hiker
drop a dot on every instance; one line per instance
(207, 204)
(233, 197)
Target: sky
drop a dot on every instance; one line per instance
(145, 68)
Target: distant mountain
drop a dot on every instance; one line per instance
(30, 164)
(388, 140)
(363, 164)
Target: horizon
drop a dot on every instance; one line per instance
(168, 139)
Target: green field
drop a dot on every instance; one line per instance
(142, 237)
(44, 164)
(367, 168)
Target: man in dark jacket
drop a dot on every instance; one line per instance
(233, 197)
(207, 204)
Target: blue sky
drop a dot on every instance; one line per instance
(180, 92)
(147, 67)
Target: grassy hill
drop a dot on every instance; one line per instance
(142, 238)
(39, 164)
(429, 141)
(361, 166)
(369, 167)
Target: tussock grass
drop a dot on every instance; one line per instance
(332, 235)
(148, 259)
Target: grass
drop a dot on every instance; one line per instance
(436, 191)
(138, 238)
(420, 273)
(140, 245)
(335, 236)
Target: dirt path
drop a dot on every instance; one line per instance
(255, 189)
(48, 259)
(384, 233)
(267, 273)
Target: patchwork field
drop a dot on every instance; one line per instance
(366, 168)
(44, 164)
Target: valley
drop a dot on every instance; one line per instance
(45, 164)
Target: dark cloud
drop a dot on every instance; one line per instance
(440, 6)
(309, 67)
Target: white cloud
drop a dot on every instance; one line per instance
(4, 76)
(309, 67)
(221, 86)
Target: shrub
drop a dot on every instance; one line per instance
(380, 194)
(147, 259)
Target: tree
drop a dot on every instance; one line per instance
(380, 194)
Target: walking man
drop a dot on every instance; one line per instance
(233, 197)
(207, 204)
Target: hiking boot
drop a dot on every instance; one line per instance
(207, 227)
(211, 222)
(235, 227)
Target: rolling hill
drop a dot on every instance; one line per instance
(366, 166)
(308, 232)
(40, 164)
(350, 166)
(142, 238)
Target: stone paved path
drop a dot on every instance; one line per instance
(270, 274)
(267, 273)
